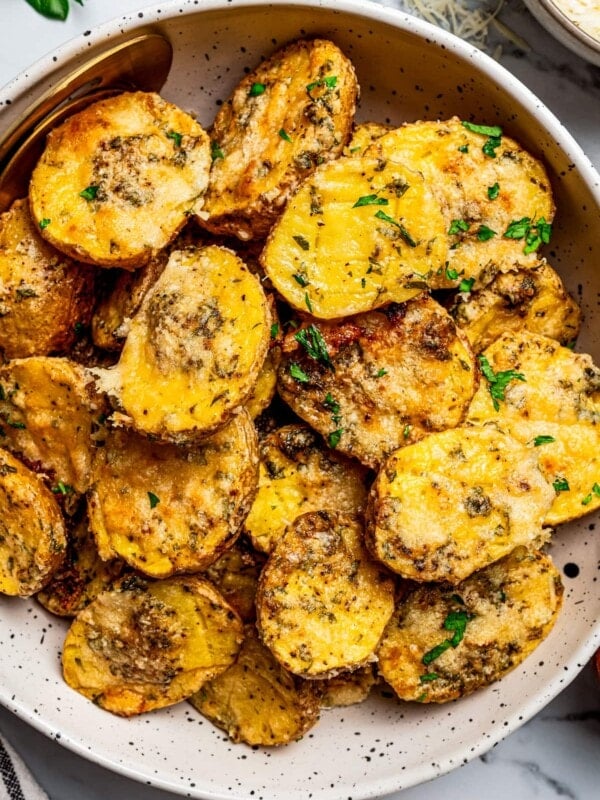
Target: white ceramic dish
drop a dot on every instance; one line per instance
(566, 22)
(407, 70)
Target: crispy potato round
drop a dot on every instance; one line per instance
(484, 185)
(534, 299)
(118, 180)
(292, 112)
(455, 502)
(45, 298)
(348, 688)
(363, 136)
(235, 574)
(82, 575)
(32, 531)
(442, 644)
(194, 349)
(299, 474)
(167, 509)
(49, 415)
(359, 233)
(378, 381)
(145, 645)
(256, 700)
(322, 601)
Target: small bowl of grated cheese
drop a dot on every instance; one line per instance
(575, 23)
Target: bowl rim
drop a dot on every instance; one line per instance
(127, 24)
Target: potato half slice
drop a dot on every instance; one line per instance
(256, 700)
(455, 502)
(118, 180)
(194, 349)
(32, 531)
(145, 645)
(292, 112)
(377, 381)
(358, 233)
(322, 601)
(168, 509)
(235, 574)
(442, 644)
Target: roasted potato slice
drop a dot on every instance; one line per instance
(322, 601)
(455, 502)
(194, 349)
(359, 233)
(553, 408)
(377, 381)
(294, 111)
(32, 531)
(145, 645)
(256, 700)
(348, 688)
(168, 509)
(534, 299)
(363, 136)
(235, 574)
(48, 417)
(497, 198)
(82, 575)
(45, 298)
(118, 180)
(444, 643)
(298, 473)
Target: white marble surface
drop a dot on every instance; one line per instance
(557, 754)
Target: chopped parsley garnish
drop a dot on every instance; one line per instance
(215, 151)
(331, 404)
(491, 145)
(485, 130)
(451, 274)
(44, 223)
(456, 621)
(330, 82)
(403, 232)
(302, 241)
(484, 233)
(89, 193)
(457, 226)
(333, 439)
(518, 228)
(285, 135)
(588, 498)
(307, 302)
(371, 200)
(406, 431)
(62, 488)
(257, 89)
(274, 330)
(498, 381)
(313, 342)
(539, 440)
(298, 373)
(176, 137)
(300, 279)
(20, 426)
(464, 148)
(534, 233)
(429, 676)
(493, 191)
(154, 500)
(466, 285)
(435, 652)
(561, 485)
(381, 372)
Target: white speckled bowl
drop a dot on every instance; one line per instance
(407, 70)
(563, 26)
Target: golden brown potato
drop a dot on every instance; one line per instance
(194, 349)
(118, 180)
(32, 532)
(235, 574)
(145, 645)
(82, 575)
(167, 509)
(359, 233)
(497, 198)
(256, 700)
(455, 502)
(322, 601)
(348, 688)
(442, 644)
(377, 381)
(48, 417)
(533, 299)
(45, 298)
(299, 474)
(294, 111)
(363, 136)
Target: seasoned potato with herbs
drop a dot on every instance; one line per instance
(363, 136)
(49, 416)
(496, 197)
(358, 233)
(194, 349)
(547, 397)
(235, 574)
(145, 645)
(444, 643)
(82, 575)
(455, 502)
(377, 381)
(167, 509)
(533, 299)
(294, 111)
(32, 531)
(256, 700)
(45, 298)
(118, 180)
(348, 688)
(298, 473)
(322, 601)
